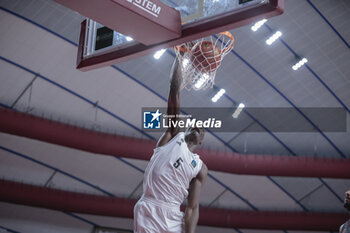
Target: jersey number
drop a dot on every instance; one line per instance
(182, 140)
(178, 162)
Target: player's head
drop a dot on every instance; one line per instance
(347, 200)
(194, 135)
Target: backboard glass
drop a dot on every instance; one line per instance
(100, 46)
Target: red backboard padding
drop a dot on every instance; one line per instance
(190, 31)
(146, 21)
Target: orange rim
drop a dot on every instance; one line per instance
(228, 34)
(183, 48)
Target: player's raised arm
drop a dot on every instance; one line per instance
(173, 103)
(192, 209)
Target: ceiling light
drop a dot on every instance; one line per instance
(218, 95)
(238, 110)
(185, 62)
(201, 81)
(299, 63)
(159, 53)
(258, 24)
(274, 37)
(128, 38)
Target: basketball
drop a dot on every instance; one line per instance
(206, 57)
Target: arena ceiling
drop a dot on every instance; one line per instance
(38, 76)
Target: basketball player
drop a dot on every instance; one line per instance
(173, 173)
(345, 228)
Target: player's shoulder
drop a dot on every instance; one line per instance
(167, 138)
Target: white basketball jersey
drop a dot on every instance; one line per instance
(170, 171)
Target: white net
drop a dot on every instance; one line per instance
(200, 60)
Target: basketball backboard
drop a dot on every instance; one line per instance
(100, 46)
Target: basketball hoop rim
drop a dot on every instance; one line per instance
(225, 33)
